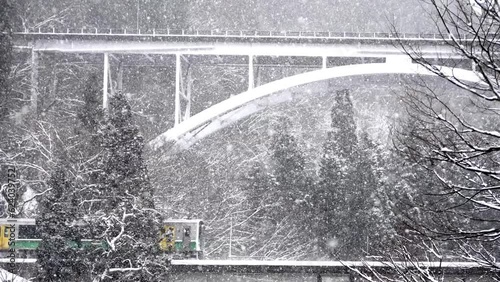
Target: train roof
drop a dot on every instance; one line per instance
(182, 221)
(18, 221)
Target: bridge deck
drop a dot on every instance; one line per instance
(307, 44)
(242, 34)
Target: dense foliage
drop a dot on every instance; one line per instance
(125, 200)
(100, 191)
(60, 254)
(348, 194)
(5, 56)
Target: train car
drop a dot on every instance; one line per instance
(183, 238)
(24, 234)
(18, 234)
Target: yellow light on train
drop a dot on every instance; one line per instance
(167, 238)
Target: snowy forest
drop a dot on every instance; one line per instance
(393, 167)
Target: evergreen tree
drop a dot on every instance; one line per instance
(5, 68)
(5, 56)
(289, 167)
(258, 181)
(290, 192)
(258, 204)
(58, 255)
(91, 113)
(378, 215)
(349, 196)
(278, 203)
(85, 158)
(334, 195)
(127, 209)
(265, 214)
(88, 147)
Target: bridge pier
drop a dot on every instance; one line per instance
(251, 78)
(105, 81)
(178, 77)
(259, 77)
(34, 80)
(183, 87)
(187, 95)
(119, 77)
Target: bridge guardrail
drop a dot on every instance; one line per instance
(242, 33)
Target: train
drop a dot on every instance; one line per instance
(181, 238)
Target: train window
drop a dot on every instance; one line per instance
(28, 232)
(186, 240)
(5, 231)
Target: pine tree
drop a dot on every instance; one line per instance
(91, 113)
(289, 167)
(378, 214)
(349, 197)
(363, 185)
(85, 157)
(127, 209)
(334, 195)
(291, 191)
(5, 56)
(88, 147)
(259, 205)
(5, 67)
(257, 189)
(58, 259)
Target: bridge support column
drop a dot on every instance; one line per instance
(250, 73)
(105, 82)
(187, 96)
(34, 80)
(119, 78)
(259, 77)
(324, 62)
(178, 78)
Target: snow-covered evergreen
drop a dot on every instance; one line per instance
(126, 208)
(61, 256)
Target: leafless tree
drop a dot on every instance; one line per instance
(452, 132)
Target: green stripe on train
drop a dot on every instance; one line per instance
(179, 246)
(33, 244)
(27, 244)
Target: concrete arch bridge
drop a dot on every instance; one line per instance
(378, 52)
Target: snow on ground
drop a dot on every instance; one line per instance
(7, 276)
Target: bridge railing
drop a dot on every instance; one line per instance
(239, 33)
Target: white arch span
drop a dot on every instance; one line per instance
(240, 106)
